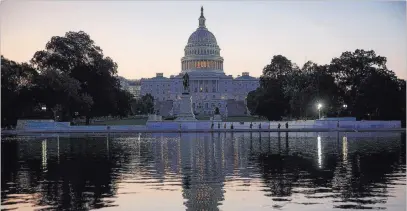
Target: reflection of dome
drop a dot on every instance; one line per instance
(202, 51)
(202, 36)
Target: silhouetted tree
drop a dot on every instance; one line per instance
(76, 58)
(145, 104)
(359, 79)
(16, 90)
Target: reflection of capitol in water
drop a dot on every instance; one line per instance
(205, 171)
(205, 161)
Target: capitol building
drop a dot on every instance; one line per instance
(210, 87)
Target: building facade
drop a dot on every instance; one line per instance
(210, 87)
(133, 86)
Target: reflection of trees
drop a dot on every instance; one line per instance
(9, 165)
(361, 178)
(353, 172)
(357, 178)
(78, 178)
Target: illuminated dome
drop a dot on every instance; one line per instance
(202, 51)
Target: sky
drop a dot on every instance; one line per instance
(146, 37)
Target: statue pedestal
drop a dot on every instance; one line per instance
(186, 113)
(217, 118)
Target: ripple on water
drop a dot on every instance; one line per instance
(203, 172)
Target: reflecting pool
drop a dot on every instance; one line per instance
(204, 171)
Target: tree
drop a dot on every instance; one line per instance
(269, 100)
(375, 93)
(351, 68)
(359, 79)
(144, 105)
(64, 90)
(76, 58)
(279, 67)
(124, 99)
(367, 85)
(16, 90)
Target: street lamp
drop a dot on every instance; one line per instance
(345, 106)
(319, 106)
(43, 108)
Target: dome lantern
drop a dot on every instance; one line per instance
(202, 19)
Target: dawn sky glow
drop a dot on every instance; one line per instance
(148, 37)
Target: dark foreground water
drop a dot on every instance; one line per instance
(220, 171)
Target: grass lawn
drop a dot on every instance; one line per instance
(135, 121)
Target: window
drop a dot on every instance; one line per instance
(206, 105)
(206, 89)
(213, 89)
(213, 96)
(196, 90)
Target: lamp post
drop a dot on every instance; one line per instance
(319, 106)
(344, 106)
(44, 109)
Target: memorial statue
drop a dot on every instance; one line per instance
(185, 82)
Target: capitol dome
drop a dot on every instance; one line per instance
(202, 51)
(202, 36)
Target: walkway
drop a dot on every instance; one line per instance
(203, 130)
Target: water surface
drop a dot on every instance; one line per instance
(213, 171)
